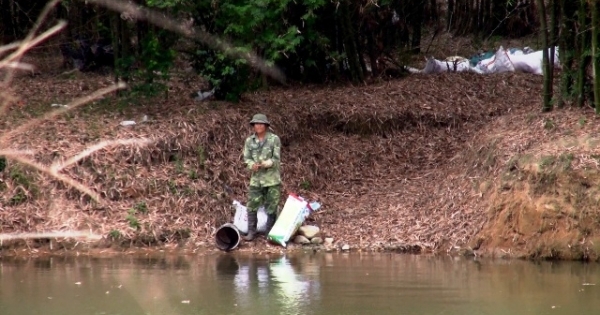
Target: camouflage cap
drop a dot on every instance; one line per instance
(260, 119)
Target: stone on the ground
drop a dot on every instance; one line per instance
(346, 247)
(301, 239)
(309, 231)
(316, 240)
(329, 241)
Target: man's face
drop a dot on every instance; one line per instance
(260, 128)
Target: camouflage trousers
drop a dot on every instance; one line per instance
(264, 196)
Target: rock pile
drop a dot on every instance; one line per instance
(308, 234)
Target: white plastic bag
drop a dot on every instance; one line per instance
(241, 218)
(452, 64)
(503, 62)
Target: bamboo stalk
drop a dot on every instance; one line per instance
(595, 7)
(567, 50)
(584, 57)
(547, 93)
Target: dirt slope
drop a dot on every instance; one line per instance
(417, 161)
(544, 190)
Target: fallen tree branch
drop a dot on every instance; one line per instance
(140, 13)
(57, 167)
(46, 235)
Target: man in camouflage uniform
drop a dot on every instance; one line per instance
(262, 156)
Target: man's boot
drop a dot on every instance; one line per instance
(252, 220)
(271, 218)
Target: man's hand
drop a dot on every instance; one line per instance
(255, 166)
(267, 163)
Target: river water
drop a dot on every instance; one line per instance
(321, 283)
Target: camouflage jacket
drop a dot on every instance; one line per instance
(257, 152)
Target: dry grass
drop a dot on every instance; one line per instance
(383, 159)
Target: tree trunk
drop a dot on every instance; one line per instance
(449, 15)
(566, 49)
(554, 6)
(583, 53)
(125, 49)
(372, 52)
(350, 47)
(595, 7)
(431, 11)
(417, 21)
(547, 93)
(115, 35)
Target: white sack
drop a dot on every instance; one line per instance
(241, 218)
(504, 61)
(454, 64)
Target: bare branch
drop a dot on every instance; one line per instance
(67, 180)
(26, 43)
(16, 152)
(18, 54)
(9, 47)
(20, 66)
(140, 13)
(57, 167)
(41, 18)
(74, 104)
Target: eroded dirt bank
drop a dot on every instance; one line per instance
(451, 163)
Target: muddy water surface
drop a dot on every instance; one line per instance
(300, 284)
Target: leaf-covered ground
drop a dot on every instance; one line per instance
(415, 161)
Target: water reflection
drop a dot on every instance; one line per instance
(275, 286)
(316, 284)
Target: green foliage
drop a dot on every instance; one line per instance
(18, 198)
(150, 69)
(26, 182)
(114, 234)
(164, 4)
(141, 207)
(201, 155)
(566, 159)
(132, 219)
(263, 27)
(2, 163)
(546, 161)
(24, 185)
(230, 78)
(172, 187)
(305, 184)
(179, 165)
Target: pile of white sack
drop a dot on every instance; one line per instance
(522, 60)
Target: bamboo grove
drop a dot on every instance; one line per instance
(573, 26)
(320, 41)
